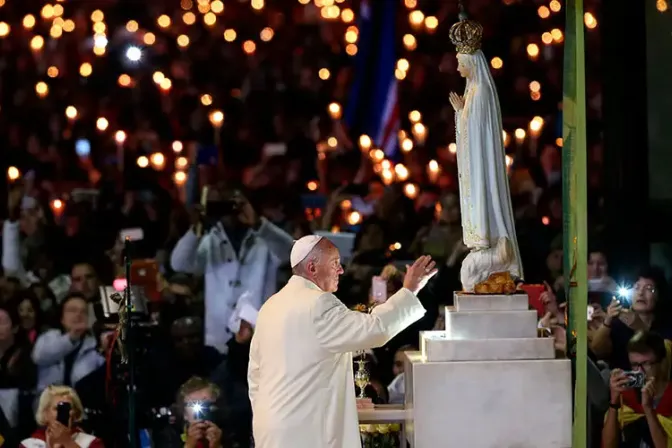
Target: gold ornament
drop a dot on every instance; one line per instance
(120, 300)
(466, 35)
(362, 377)
(360, 307)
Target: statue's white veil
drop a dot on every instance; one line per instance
(479, 71)
(487, 214)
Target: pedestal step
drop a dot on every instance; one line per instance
(488, 404)
(491, 324)
(435, 346)
(487, 302)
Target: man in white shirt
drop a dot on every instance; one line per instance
(300, 372)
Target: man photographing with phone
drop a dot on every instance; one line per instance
(198, 397)
(640, 410)
(238, 251)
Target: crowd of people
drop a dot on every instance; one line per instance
(90, 137)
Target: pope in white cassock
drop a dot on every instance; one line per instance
(300, 372)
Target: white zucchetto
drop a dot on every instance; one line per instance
(302, 248)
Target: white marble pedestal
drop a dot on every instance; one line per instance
(488, 381)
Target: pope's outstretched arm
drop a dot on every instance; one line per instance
(339, 329)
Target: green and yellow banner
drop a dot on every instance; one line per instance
(574, 160)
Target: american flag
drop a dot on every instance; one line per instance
(373, 106)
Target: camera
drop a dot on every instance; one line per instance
(217, 209)
(201, 410)
(636, 379)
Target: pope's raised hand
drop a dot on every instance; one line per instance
(419, 273)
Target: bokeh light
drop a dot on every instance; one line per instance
(410, 42)
(29, 21)
(590, 21)
(533, 51)
(85, 69)
(102, 124)
(42, 89)
(163, 21)
(230, 35)
(71, 112)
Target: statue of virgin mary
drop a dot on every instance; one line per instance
(487, 215)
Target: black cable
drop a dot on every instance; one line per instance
(129, 346)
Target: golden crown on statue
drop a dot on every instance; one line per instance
(466, 35)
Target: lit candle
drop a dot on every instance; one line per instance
(180, 179)
(377, 155)
(57, 207)
(365, 142)
(433, 171)
(535, 127)
(406, 145)
(354, 218)
(335, 111)
(71, 112)
(216, 119)
(420, 133)
(102, 124)
(158, 160)
(411, 191)
(509, 162)
(120, 138)
(13, 173)
(416, 19)
(401, 172)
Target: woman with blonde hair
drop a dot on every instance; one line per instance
(54, 433)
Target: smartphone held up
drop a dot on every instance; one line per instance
(63, 409)
(201, 410)
(378, 289)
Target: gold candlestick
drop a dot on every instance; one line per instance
(362, 377)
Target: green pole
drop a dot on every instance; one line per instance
(574, 160)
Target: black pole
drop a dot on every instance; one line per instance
(129, 347)
(624, 108)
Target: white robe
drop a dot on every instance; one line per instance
(485, 199)
(300, 371)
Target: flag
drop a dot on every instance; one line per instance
(575, 219)
(373, 106)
